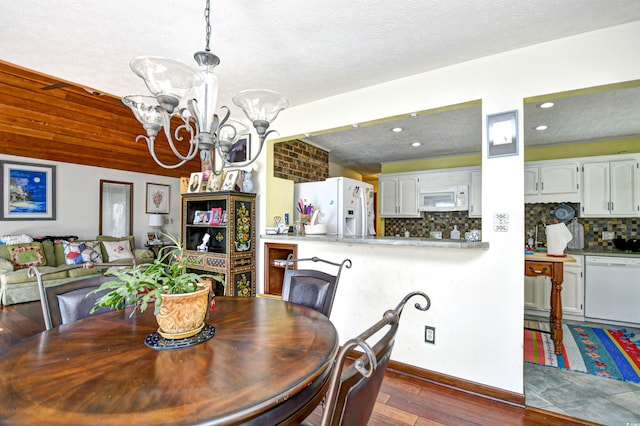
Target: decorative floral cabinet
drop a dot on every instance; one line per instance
(218, 229)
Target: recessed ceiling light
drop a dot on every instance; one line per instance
(416, 144)
(541, 127)
(397, 129)
(545, 105)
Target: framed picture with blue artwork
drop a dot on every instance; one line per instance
(27, 191)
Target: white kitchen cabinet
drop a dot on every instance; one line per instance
(537, 290)
(398, 196)
(552, 181)
(610, 188)
(475, 194)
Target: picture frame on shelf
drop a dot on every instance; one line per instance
(230, 180)
(239, 152)
(216, 216)
(195, 182)
(151, 238)
(224, 218)
(28, 191)
(157, 198)
(201, 217)
(502, 134)
(213, 184)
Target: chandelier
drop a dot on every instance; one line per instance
(190, 96)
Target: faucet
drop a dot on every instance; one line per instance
(537, 242)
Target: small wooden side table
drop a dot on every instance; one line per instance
(541, 264)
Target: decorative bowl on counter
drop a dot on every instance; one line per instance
(317, 229)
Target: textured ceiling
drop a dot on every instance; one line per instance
(305, 49)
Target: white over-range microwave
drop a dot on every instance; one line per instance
(454, 198)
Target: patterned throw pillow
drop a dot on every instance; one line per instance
(78, 252)
(117, 250)
(25, 255)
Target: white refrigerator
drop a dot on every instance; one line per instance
(345, 205)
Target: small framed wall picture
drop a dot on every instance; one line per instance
(27, 191)
(230, 180)
(157, 198)
(195, 182)
(502, 134)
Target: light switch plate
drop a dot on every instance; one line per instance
(501, 222)
(608, 235)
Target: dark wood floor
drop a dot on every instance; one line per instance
(402, 400)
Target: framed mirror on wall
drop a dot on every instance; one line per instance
(116, 208)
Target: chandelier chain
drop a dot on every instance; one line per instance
(207, 11)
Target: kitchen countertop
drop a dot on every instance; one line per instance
(394, 241)
(599, 252)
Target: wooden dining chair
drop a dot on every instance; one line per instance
(309, 287)
(353, 390)
(71, 301)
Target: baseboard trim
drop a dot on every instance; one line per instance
(458, 384)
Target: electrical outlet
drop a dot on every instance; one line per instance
(608, 235)
(429, 334)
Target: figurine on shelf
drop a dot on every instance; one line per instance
(247, 184)
(205, 243)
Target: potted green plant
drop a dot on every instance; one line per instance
(167, 283)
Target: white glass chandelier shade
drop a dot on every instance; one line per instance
(146, 110)
(260, 104)
(168, 79)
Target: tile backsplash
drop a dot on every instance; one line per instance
(440, 221)
(533, 214)
(593, 227)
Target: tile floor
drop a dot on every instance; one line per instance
(609, 402)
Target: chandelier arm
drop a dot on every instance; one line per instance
(193, 149)
(151, 145)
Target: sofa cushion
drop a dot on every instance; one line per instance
(27, 254)
(16, 239)
(117, 250)
(105, 238)
(77, 252)
(83, 272)
(21, 275)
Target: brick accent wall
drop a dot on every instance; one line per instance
(300, 162)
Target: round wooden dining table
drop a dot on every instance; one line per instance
(268, 363)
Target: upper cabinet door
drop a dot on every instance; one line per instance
(530, 180)
(408, 196)
(388, 196)
(595, 196)
(559, 179)
(623, 187)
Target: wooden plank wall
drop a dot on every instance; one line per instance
(42, 117)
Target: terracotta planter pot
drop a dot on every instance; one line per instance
(182, 315)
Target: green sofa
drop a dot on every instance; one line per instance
(17, 287)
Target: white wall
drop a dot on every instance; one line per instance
(78, 202)
(477, 298)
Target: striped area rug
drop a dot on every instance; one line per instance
(613, 353)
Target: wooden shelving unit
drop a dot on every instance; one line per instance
(275, 255)
(231, 249)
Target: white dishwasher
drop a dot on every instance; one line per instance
(612, 288)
